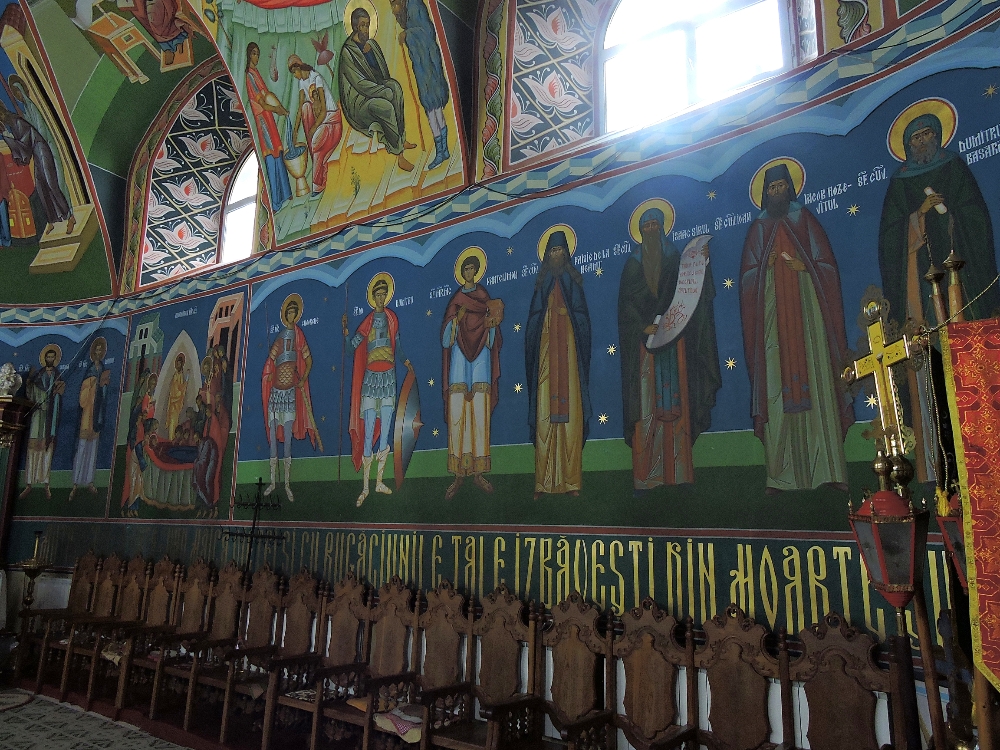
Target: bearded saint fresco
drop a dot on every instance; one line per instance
(557, 347)
(794, 339)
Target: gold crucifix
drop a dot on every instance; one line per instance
(878, 364)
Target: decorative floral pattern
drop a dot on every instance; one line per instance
(552, 97)
(191, 171)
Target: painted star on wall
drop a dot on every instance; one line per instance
(728, 283)
(990, 91)
(599, 271)
(612, 349)
(853, 209)
(602, 418)
(430, 382)
(517, 327)
(730, 364)
(435, 432)
(871, 402)
(518, 387)
(510, 251)
(711, 195)
(429, 313)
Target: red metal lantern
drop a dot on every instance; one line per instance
(953, 531)
(892, 537)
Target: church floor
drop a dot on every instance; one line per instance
(44, 724)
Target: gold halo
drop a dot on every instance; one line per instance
(372, 13)
(297, 299)
(50, 348)
(95, 342)
(465, 255)
(795, 169)
(668, 216)
(544, 239)
(383, 276)
(942, 108)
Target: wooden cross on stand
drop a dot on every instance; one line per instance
(878, 363)
(255, 534)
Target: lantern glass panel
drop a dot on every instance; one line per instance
(866, 540)
(897, 550)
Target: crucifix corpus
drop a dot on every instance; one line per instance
(878, 363)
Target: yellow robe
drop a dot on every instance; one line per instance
(175, 403)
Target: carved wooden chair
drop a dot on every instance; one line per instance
(389, 676)
(242, 678)
(582, 686)
(182, 669)
(739, 669)
(130, 661)
(342, 641)
(39, 627)
(650, 655)
(291, 666)
(79, 628)
(100, 641)
(190, 620)
(841, 678)
(504, 630)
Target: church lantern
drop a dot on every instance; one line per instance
(953, 530)
(892, 536)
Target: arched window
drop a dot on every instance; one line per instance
(240, 214)
(663, 56)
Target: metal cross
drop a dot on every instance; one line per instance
(255, 534)
(878, 363)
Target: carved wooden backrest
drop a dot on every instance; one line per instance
(109, 578)
(443, 624)
(193, 595)
(227, 599)
(345, 615)
(840, 675)
(502, 628)
(262, 602)
(301, 606)
(160, 592)
(392, 619)
(738, 669)
(82, 586)
(132, 589)
(650, 655)
(576, 669)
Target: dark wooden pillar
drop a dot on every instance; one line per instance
(14, 415)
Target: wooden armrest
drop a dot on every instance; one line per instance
(239, 653)
(283, 661)
(427, 697)
(517, 700)
(334, 669)
(213, 643)
(374, 683)
(90, 620)
(47, 614)
(596, 719)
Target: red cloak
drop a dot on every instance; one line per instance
(473, 335)
(357, 423)
(305, 423)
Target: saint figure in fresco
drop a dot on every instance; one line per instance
(27, 145)
(557, 345)
(265, 107)
(419, 37)
(176, 394)
(794, 340)
(212, 438)
(45, 388)
(285, 392)
(667, 392)
(471, 341)
(372, 99)
(141, 428)
(375, 347)
(319, 118)
(159, 18)
(932, 206)
(93, 397)
(931, 177)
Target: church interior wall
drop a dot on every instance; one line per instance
(693, 541)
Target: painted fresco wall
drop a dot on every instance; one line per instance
(628, 387)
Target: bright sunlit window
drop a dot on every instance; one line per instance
(240, 213)
(663, 56)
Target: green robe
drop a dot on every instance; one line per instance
(369, 97)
